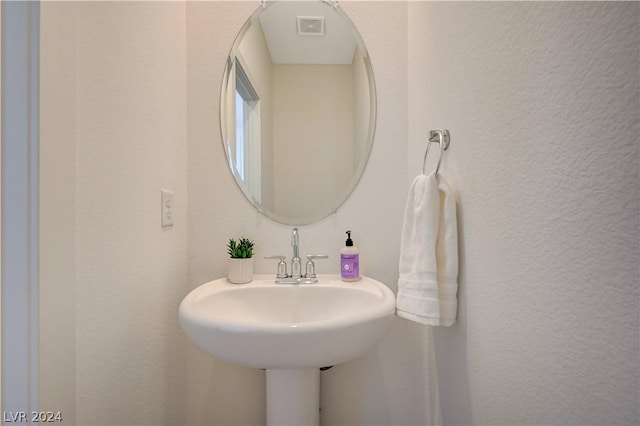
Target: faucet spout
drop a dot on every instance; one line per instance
(296, 265)
(295, 242)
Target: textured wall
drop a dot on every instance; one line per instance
(542, 103)
(131, 274)
(57, 249)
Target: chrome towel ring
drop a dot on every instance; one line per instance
(437, 136)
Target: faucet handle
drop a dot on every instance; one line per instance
(282, 265)
(311, 267)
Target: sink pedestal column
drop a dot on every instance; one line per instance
(293, 397)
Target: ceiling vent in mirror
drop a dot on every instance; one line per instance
(311, 25)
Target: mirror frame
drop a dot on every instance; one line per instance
(342, 196)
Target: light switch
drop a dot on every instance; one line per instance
(168, 208)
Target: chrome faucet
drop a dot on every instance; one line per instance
(296, 276)
(296, 266)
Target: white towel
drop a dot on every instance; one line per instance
(428, 282)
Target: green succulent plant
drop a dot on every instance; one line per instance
(240, 249)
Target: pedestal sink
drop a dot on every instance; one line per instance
(291, 330)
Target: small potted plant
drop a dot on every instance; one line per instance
(241, 261)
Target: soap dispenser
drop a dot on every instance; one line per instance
(349, 261)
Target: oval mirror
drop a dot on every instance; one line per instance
(297, 109)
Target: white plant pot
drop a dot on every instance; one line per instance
(240, 271)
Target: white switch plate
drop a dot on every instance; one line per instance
(167, 208)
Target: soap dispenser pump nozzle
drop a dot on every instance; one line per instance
(349, 242)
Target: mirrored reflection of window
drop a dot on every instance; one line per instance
(247, 152)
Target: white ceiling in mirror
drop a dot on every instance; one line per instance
(336, 46)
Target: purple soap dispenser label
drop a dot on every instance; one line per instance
(350, 267)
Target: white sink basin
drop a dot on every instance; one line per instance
(288, 326)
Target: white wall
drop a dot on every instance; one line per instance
(542, 103)
(361, 109)
(131, 273)
(58, 209)
(388, 386)
(303, 142)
